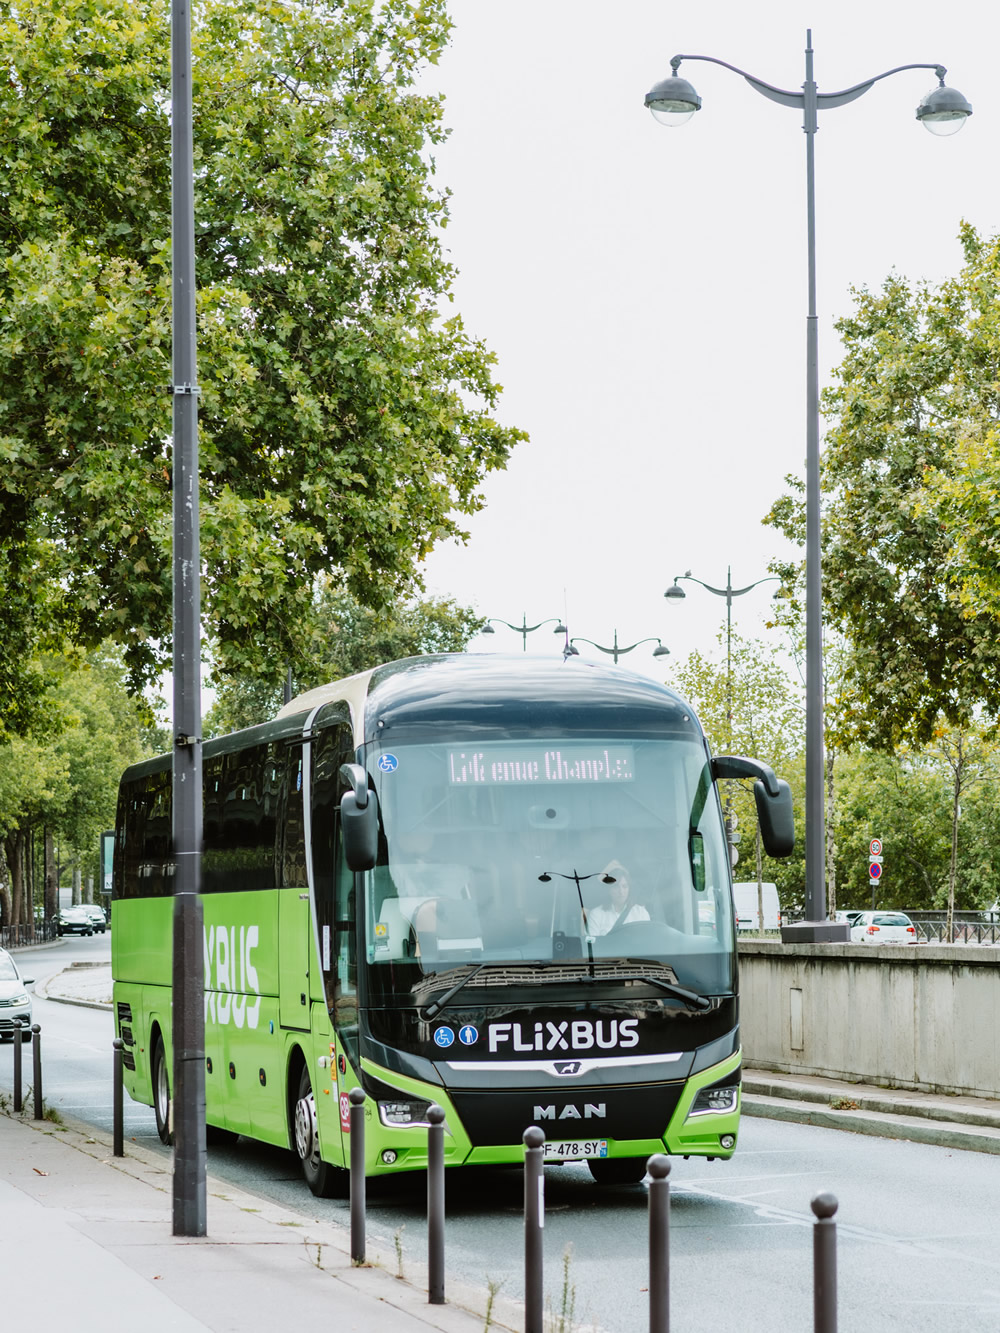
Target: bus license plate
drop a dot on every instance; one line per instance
(575, 1150)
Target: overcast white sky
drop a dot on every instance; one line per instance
(644, 288)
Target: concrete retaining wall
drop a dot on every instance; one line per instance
(904, 1016)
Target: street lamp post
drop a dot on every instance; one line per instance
(524, 629)
(675, 593)
(616, 650)
(187, 978)
(673, 101)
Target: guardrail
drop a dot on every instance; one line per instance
(934, 930)
(22, 937)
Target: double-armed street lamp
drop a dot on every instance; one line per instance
(673, 101)
(675, 593)
(616, 650)
(524, 629)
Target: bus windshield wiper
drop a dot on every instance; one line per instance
(678, 992)
(435, 1006)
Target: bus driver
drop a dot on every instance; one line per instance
(619, 908)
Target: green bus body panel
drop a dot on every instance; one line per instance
(254, 1031)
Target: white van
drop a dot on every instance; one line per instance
(746, 903)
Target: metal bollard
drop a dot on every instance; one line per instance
(36, 1057)
(435, 1205)
(119, 1133)
(534, 1222)
(357, 1099)
(658, 1167)
(825, 1264)
(18, 1104)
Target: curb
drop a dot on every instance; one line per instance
(42, 991)
(881, 1124)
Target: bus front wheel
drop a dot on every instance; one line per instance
(161, 1094)
(322, 1178)
(617, 1170)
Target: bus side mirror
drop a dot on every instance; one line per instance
(358, 819)
(776, 818)
(773, 797)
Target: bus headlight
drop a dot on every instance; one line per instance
(715, 1101)
(403, 1113)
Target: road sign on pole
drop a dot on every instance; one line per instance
(875, 847)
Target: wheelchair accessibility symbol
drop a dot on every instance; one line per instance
(388, 763)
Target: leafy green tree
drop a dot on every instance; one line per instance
(905, 804)
(66, 782)
(911, 476)
(345, 416)
(345, 637)
(767, 723)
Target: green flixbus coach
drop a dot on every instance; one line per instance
(501, 884)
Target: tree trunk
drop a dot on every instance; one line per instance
(831, 863)
(77, 898)
(51, 879)
(760, 885)
(5, 896)
(949, 928)
(15, 856)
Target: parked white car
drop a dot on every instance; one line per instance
(883, 928)
(15, 1002)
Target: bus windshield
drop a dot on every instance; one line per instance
(541, 851)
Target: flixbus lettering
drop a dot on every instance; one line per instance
(230, 975)
(577, 1035)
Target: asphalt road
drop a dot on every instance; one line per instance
(917, 1227)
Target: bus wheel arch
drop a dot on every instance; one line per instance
(324, 1179)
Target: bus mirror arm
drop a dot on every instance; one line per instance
(773, 798)
(358, 779)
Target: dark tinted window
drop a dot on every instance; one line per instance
(241, 820)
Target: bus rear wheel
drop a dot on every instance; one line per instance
(161, 1094)
(323, 1179)
(617, 1170)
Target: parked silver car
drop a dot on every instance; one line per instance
(15, 1002)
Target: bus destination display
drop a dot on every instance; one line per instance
(536, 765)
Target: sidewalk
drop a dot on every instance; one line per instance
(88, 1246)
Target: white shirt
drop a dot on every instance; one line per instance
(601, 919)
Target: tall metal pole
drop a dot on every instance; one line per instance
(189, 1194)
(815, 903)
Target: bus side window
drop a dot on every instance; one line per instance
(293, 845)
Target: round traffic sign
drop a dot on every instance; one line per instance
(875, 846)
(874, 870)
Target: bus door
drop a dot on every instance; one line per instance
(294, 925)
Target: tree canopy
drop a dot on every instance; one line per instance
(345, 415)
(341, 637)
(911, 486)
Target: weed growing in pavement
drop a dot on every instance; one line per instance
(563, 1321)
(50, 1113)
(492, 1288)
